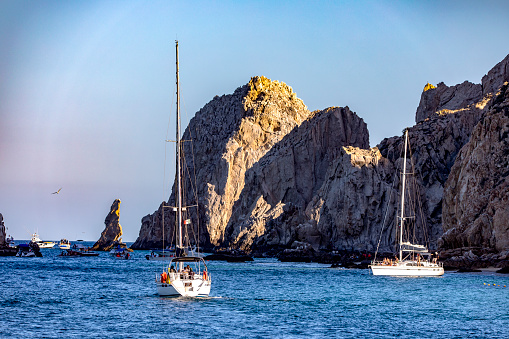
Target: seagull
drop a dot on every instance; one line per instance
(57, 191)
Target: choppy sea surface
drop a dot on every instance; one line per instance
(57, 297)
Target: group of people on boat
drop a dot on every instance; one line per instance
(419, 259)
(125, 255)
(186, 273)
(390, 262)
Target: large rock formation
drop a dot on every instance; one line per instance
(272, 174)
(112, 231)
(256, 147)
(476, 204)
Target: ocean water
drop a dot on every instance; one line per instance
(98, 297)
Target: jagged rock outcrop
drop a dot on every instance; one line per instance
(443, 97)
(476, 203)
(113, 231)
(496, 77)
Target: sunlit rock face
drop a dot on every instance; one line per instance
(476, 202)
(112, 231)
(230, 134)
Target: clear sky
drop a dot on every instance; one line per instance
(86, 87)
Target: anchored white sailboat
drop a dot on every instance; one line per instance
(186, 275)
(414, 259)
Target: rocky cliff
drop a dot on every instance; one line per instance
(112, 230)
(273, 175)
(476, 203)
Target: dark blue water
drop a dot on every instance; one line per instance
(102, 296)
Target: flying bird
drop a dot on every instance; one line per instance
(57, 191)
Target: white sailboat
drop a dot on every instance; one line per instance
(414, 260)
(186, 275)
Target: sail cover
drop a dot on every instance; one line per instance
(408, 247)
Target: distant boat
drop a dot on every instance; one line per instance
(64, 244)
(84, 251)
(165, 254)
(29, 250)
(186, 275)
(120, 250)
(42, 244)
(10, 242)
(414, 259)
(169, 253)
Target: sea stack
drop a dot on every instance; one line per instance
(2, 231)
(112, 231)
(5, 249)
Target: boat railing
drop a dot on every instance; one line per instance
(184, 276)
(411, 263)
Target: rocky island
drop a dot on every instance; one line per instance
(274, 178)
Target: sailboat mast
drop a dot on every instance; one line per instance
(402, 217)
(179, 179)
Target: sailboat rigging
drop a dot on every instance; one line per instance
(187, 274)
(413, 259)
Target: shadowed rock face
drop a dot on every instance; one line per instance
(496, 77)
(444, 97)
(476, 204)
(113, 231)
(271, 210)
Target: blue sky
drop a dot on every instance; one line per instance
(86, 87)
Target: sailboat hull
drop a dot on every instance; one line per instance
(408, 270)
(184, 287)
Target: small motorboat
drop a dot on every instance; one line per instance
(64, 244)
(165, 254)
(29, 250)
(84, 251)
(119, 250)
